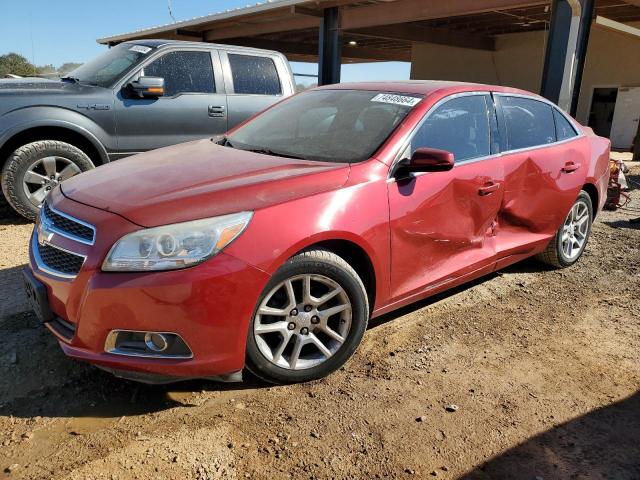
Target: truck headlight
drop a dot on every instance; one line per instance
(175, 246)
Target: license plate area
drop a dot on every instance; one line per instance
(37, 296)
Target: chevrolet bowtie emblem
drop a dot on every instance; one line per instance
(44, 234)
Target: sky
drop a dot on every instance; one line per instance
(59, 31)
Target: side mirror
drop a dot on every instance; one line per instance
(148, 87)
(428, 160)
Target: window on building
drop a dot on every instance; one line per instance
(254, 75)
(183, 72)
(459, 126)
(528, 122)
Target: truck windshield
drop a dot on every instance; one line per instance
(342, 126)
(104, 70)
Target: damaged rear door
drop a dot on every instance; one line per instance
(545, 165)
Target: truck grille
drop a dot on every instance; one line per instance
(58, 260)
(67, 226)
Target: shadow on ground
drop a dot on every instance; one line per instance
(8, 215)
(14, 298)
(604, 443)
(625, 223)
(530, 265)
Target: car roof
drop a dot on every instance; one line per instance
(425, 87)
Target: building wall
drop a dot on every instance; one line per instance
(613, 59)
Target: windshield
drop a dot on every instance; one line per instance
(342, 126)
(105, 69)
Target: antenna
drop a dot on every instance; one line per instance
(33, 55)
(170, 12)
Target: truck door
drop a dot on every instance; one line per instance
(255, 82)
(193, 106)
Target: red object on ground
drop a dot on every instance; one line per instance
(614, 189)
(422, 236)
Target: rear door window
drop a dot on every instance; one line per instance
(254, 75)
(183, 72)
(459, 126)
(564, 129)
(528, 122)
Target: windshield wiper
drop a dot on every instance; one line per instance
(266, 151)
(223, 142)
(77, 80)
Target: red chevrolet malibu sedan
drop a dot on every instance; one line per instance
(272, 247)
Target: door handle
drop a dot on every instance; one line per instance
(216, 110)
(488, 189)
(570, 167)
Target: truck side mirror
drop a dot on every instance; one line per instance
(147, 87)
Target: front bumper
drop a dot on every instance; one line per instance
(209, 306)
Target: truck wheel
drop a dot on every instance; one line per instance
(309, 319)
(35, 169)
(571, 239)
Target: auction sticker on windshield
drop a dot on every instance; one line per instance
(396, 99)
(140, 49)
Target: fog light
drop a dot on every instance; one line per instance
(156, 341)
(147, 344)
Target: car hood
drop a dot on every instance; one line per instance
(38, 92)
(199, 180)
(43, 86)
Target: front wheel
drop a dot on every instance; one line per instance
(571, 239)
(33, 170)
(309, 319)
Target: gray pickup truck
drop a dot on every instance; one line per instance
(137, 96)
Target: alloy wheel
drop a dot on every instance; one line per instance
(303, 321)
(44, 175)
(575, 230)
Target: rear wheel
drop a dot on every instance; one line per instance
(571, 239)
(33, 170)
(309, 319)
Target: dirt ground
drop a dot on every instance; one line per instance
(543, 366)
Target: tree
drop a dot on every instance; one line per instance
(15, 64)
(45, 69)
(68, 67)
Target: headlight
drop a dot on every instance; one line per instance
(175, 246)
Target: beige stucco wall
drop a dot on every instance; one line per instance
(613, 59)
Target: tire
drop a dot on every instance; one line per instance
(328, 275)
(33, 157)
(556, 254)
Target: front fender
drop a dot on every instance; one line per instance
(27, 118)
(357, 214)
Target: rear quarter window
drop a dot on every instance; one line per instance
(564, 129)
(254, 75)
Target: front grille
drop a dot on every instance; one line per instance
(65, 225)
(60, 260)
